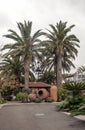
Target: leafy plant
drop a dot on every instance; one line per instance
(49, 99)
(76, 88)
(2, 101)
(79, 111)
(22, 97)
(38, 100)
(35, 91)
(75, 103)
(25, 90)
(62, 94)
(6, 93)
(62, 105)
(16, 90)
(48, 77)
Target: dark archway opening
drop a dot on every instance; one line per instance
(40, 92)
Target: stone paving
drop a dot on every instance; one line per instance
(81, 117)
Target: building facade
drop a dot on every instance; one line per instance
(76, 77)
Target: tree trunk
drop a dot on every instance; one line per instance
(55, 68)
(26, 69)
(0, 96)
(59, 68)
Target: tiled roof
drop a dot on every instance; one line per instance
(37, 85)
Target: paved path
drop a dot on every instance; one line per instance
(37, 117)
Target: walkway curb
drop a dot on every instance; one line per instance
(15, 103)
(1, 106)
(80, 117)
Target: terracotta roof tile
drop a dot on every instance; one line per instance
(37, 85)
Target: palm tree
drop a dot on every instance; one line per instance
(59, 42)
(67, 62)
(81, 69)
(50, 60)
(25, 45)
(48, 77)
(11, 66)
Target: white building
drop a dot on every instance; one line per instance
(76, 77)
(79, 77)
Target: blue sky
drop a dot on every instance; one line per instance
(42, 13)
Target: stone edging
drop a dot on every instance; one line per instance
(80, 117)
(15, 103)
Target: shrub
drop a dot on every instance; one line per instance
(6, 93)
(76, 102)
(25, 90)
(49, 99)
(38, 100)
(82, 107)
(79, 111)
(16, 90)
(35, 91)
(62, 105)
(22, 97)
(8, 98)
(2, 101)
(75, 88)
(62, 94)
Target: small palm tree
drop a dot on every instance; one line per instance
(59, 42)
(25, 45)
(11, 66)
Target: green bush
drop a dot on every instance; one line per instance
(38, 100)
(35, 91)
(62, 105)
(25, 90)
(2, 101)
(62, 94)
(49, 99)
(16, 90)
(75, 103)
(8, 97)
(6, 91)
(22, 97)
(71, 103)
(75, 88)
(79, 111)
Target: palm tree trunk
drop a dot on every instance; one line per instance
(59, 68)
(0, 96)
(55, 68)
(26, 69)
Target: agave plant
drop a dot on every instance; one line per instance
(75, 87)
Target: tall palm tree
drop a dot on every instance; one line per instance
(67, 62)
(50, 60)
(59, 42)
(25, 45)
